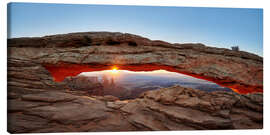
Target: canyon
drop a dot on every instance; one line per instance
(40, 99)
(129, 85)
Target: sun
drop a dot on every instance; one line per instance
(114, 70)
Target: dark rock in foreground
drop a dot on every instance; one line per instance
(174, 108)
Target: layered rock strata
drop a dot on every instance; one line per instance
(70, 54)
(39, 101)
(174, 108)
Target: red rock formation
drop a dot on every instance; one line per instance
(38, 100)
(71, 54)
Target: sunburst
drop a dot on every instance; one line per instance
(114, 70)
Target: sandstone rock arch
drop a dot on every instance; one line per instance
(69, 54)
(38, 101)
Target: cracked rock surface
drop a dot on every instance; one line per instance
(174, 108)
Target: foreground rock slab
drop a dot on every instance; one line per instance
(174, 108)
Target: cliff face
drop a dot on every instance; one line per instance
(38, 99)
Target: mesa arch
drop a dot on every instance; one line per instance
(58, 56)
(34, 96)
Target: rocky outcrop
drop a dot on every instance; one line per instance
(174, 108)
(91, 86)
(87, 85)
(70, 54)
(40, 101)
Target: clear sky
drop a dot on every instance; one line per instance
(219, 27)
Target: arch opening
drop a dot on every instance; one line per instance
(61, 70)
(126, 84)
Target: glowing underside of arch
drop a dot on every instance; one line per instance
(60, 71)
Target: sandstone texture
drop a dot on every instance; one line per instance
(70, 54)
(174, 108)
(39, 99)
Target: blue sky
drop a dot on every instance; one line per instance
(219, 27)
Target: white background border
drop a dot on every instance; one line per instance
(191, 3)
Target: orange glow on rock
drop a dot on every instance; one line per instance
(62, 70)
